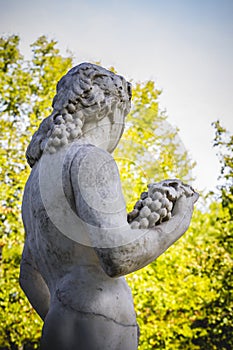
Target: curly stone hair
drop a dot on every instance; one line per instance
(85, 93)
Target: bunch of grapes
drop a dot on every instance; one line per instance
(65, 129)
(156, 205)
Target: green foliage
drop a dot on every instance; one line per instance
(224, 143)
(150, 149)
(179, 298)
(21, 324)
(26, 89)
(184, 299)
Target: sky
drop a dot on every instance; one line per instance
(185, 46)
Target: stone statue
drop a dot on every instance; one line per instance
(79, 243)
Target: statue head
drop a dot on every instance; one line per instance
(86, 94)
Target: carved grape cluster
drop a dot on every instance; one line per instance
(67, 126)
(156, 205)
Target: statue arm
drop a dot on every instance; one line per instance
(33, 284)
(135, 248)
(148, 245)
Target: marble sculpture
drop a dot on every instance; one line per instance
(79, 241)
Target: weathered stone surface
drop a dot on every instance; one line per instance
(156, 205)
(79, 244)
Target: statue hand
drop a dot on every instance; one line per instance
(185, 201)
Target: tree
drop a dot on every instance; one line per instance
(224, 142)
(218, 313)
(26, 92)
(184, 300)
(150, 149)
(27, 89)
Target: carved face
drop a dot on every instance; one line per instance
(85, 95)
(117, 129)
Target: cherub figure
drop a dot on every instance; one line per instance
(79, 244)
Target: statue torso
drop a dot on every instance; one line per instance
(71, 270)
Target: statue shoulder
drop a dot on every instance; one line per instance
(89, 158)
(96, 186)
